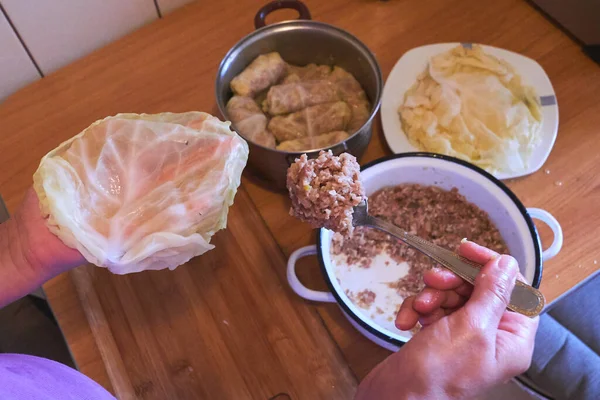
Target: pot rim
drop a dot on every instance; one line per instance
(303, 24)
(537, 277)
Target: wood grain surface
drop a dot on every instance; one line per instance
(170, 65)
(223, 326)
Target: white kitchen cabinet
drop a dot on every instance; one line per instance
(16, 68)
(57, 32)
(166, 6)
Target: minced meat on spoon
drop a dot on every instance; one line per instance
(324, 190)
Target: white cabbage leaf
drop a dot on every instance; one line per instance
(140, 192)
(472, 105)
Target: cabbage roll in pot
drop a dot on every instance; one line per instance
(249, 120)
(264, 71)
(291, 97)
(310, 72)
(350, 91)
(311, 121)
(314, 142)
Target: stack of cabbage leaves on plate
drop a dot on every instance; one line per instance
(140, 192)
(474, 106)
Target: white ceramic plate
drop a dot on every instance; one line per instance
(413, 62)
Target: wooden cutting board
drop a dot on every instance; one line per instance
(223, 326)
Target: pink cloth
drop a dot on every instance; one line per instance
(32, 378)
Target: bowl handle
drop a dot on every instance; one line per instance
(259, 19)
(549, 219)
(295, 283)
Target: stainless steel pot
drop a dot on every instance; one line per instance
(301, 42)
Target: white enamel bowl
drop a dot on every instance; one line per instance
(512, 219)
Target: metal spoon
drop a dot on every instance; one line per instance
(525, 299)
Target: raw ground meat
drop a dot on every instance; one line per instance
(324, 190)
(439, 216)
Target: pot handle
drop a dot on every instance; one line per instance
(549, 220)
(259, 19)
(295, 283)
(339, 148)
(291, 158)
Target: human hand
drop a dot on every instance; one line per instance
(469, 342)
(43, 251)
(29, 253)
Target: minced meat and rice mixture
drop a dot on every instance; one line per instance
(324, 190)
(439, 216)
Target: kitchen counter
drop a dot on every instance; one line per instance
(226, 325)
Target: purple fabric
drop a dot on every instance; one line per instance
(32, 378)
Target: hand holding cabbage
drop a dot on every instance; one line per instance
(136, 192)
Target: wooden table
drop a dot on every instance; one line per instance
(170, 65)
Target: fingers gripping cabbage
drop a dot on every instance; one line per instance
(137, 192)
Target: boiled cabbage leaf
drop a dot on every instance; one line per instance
(472, 105)
(142, 192)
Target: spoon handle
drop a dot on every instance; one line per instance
(525, 299)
